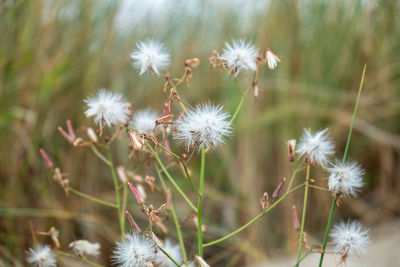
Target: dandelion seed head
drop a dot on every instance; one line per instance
(350, 238)
(107, 107)
(206, 124)
(150, 56)
(317, 148)
(144, 121)
(134, 250)
(240, 56)
(345, 179)
(84, 247)
(42, 256)
(174, 250)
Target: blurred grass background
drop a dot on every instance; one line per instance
(55, 53)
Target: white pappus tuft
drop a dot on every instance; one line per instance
(150, 56)
(272, 59)
(241, 55)
(84, 247)
(350, 238)
(144, 121)
(345, 179)
(134, 250)
(206, 125)
(316, 147)
(107, 108)
(173, 250)
(42, 256)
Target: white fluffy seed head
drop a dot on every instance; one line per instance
(317, 148)
(174, 250)
(144, 121)
(150, 56)
(240, 56)
(107, 108)
(134, 250)
(84, 247)
(345, 179)
(42, 256)
(205, 125)
(350, 238)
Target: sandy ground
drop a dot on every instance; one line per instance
(384, 251)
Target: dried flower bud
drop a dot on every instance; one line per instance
(291, 148)
(192, 62)
(295, 218)
(265, 201)
(213, 59)
(121, 174)
(150, 181)
(278, 188)
(138, 196)
(136, 143)
(92, 135)
(79, 142)
(135, 227)
(46, 159)
(187, 76)
(165, 119)
(201, 261)
(256, 89)
(53, 233)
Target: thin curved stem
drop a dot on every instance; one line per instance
(303, 217)
(174, 217)
(169, 176)
(65, 254)
(260, 215)
(94, 199)
(99, 155)
(239, 105)
(200, 203)
(346, 150)
(117, 194)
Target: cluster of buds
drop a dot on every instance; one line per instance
(265, 201)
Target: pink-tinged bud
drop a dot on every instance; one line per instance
(121, 174)
(71, 131)
(92, 135)
(65, 135)
(165, 109)
(132, 222)
(46, 159)
(265, 201)
(136, 143)
(138, 196)
(166, 144)
(275, 195)
(169, 199)
(295, 218)
(291, 148)
(201, 261)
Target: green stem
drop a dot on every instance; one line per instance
(117, 195)
(99, 155)
(166, 254)
(346, 150)
(174, 217)
(303, 217)
(260, 215)
(94, 199)
(65, 254)
(200, 203)
(240, 105)
(169, 176)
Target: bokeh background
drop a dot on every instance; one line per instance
(53, 54)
